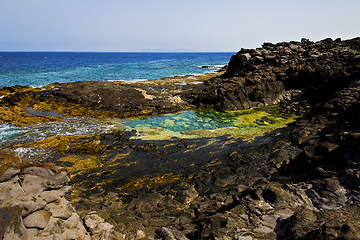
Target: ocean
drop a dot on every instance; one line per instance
(42, 68)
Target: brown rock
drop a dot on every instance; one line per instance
(11, 226)
(38, 219)
(171, 234)
(74, 228)
(60, 209)
(9, 173)
(9, 157)
(10, 189)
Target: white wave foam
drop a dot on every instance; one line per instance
(6, 127)
(212, 66)
(23, 151)
(10, 134)
(161, 60)
(212, 71)
(138, 80)
(181, 84)
(31, 154)
(37, 86)
(133, 80)
(185, 75)
(7, 131)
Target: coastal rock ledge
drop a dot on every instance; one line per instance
(297, 182)
(267, 75)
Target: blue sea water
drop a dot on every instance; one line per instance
(42, 68)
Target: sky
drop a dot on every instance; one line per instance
(168, 25)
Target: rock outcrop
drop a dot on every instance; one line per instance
(263, 76)
(33, 204)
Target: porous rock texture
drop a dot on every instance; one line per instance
(264, 76)
(33, 204)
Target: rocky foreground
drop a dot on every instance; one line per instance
(33, 204)
(299, 182)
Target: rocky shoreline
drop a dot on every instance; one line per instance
(298, 182)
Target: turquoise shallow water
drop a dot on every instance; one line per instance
(184, 121)
(206, 123)
(39, 69)
(8, 131)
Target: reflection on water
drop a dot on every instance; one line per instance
(190, 124)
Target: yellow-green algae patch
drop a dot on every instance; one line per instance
(89, 144)
(148, 182)
(80, 164)
(17, 116)
(15, 112)
(246, 124)
(159, 133)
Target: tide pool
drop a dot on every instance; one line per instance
(246, 124)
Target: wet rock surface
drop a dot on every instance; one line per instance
(298, 182)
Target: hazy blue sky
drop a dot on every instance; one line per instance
(167, 25)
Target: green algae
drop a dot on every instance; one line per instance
(246, 124)
(148, 182)
(79, 164)
(89, 144)
(19, 117)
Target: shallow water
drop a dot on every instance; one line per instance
(8, 131)
(11, 135)
(246, 124)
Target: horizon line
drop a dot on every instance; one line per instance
(54, 51)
